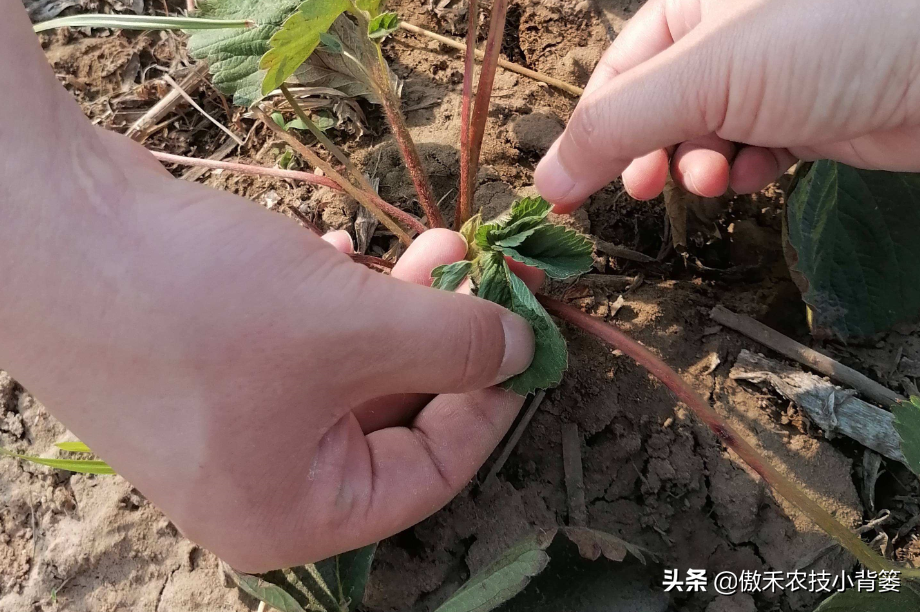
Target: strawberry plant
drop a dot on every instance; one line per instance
(254, 48)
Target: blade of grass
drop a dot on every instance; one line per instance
(83, 466)
(73, 447)
(726, 434)
(140, 22)
(465, 208)
(486, 81)
(363, 198)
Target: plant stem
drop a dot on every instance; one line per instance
(779, 483)
(324, 140)
(527, 72)
(486, 80)
(316, 161)
(307, 177)
(404, 140)
(467, 180)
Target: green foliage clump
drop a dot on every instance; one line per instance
(524, 235)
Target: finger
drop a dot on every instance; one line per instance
(341, 240)
(756, 167)
(645, 177)
(437, 341)
(702, 165)
(678, 95)
(649, 32)
(408, 473)
(433, 248)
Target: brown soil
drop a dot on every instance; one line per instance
(653, 475)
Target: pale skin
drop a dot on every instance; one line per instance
(281, 403)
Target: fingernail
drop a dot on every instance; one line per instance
(519, 346)
(551, 178)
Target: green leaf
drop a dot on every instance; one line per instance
(335, 584)
(449, 277)
(551, 357)
(525, 215)
(555, 249)
(279, 119)
(331, 43)
(907, 599)
(382, 25)
(527, 208)
(907, 424)
(270, 593)
(84, 466)
(73, 447)
(493, 283)
(852, 236)
(296, 40)
(233, 55)
(140, 22)
(502, 579)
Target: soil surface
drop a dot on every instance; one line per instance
(653, 475)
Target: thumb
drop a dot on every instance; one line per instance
(444, 342)
(677, 95)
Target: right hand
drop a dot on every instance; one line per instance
(729, 93)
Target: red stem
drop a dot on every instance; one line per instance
(465, 208)
(486, 80)
(685, 393)
(308, 177)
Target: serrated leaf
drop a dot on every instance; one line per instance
(449, 277)
(73, 447)
(335, 584)
(83, 466)
(504, 578)
(557, 250)
(233, 55)
(295, 41)
(526, 208)
(525, 215)
(338, 70)
(907, 424)
(382, 25)
(551, 357)
(852, 235)
(905, 600)
(493, 283)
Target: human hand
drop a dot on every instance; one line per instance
(248, 378)
(734, 91)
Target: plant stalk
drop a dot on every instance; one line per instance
(467, 180)
(307, 177)
(685, 393)
(340, 155)
(365, 199)
(486, 81)
(404, 140)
